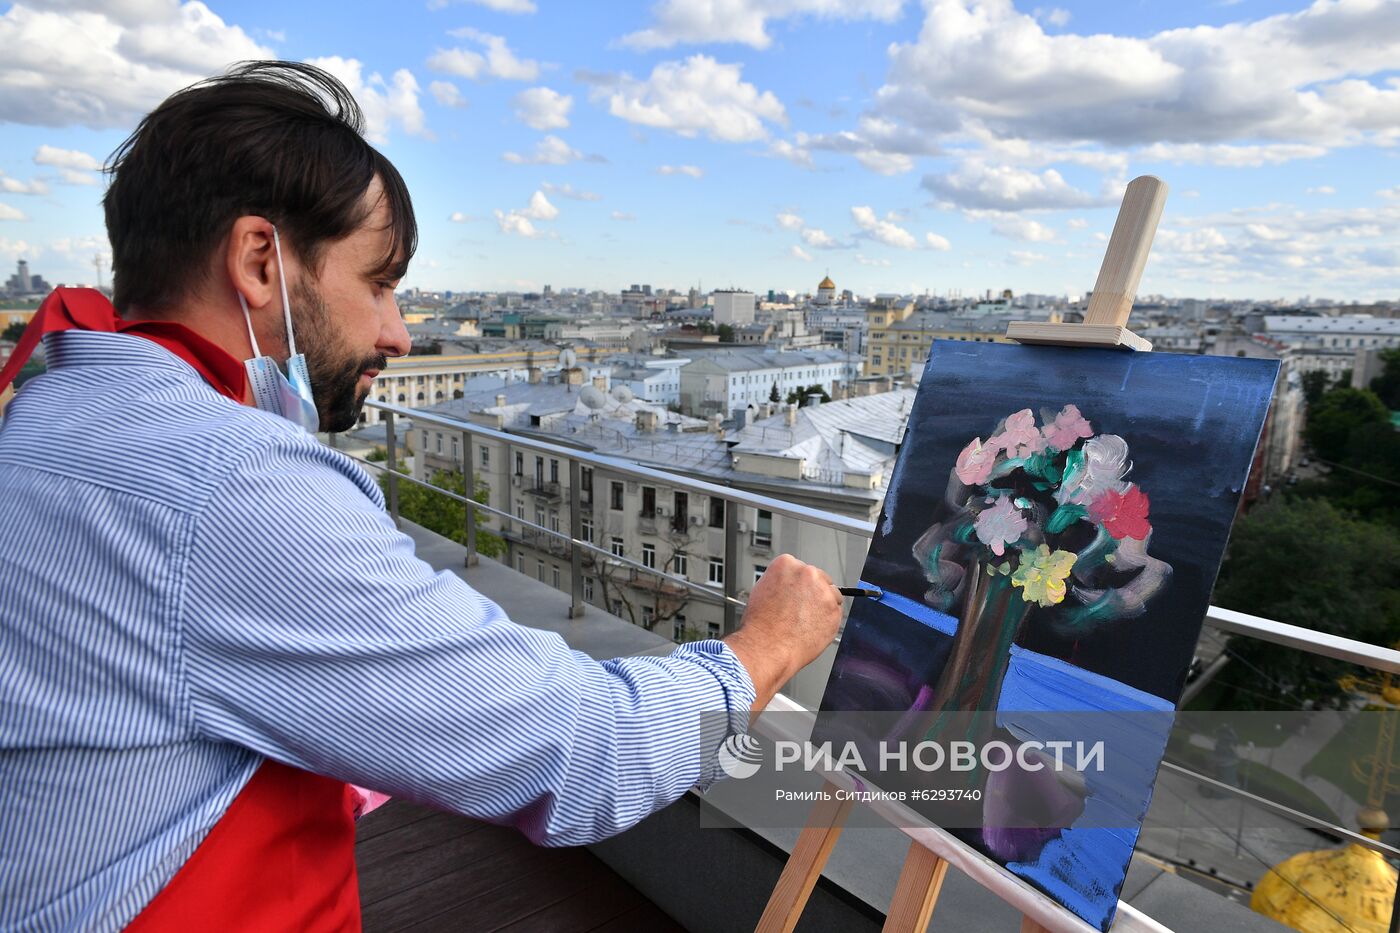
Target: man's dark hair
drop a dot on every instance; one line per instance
(279, 140)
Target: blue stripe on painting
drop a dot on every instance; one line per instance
(939, 621)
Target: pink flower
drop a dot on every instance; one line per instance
(1123, 515)
(1000, 525)
(975, 463)
(1019, 436)
(1069, 426)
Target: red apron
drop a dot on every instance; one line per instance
(282, 857)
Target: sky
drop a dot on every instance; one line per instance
(896, 145)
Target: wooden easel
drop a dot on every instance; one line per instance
(1105, 325)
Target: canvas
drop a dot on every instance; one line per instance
(1049, 542)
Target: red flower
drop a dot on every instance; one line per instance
(1124, 515)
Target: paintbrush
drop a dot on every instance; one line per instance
(869, 592)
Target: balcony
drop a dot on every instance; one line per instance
(545, 490)
(1182, 879)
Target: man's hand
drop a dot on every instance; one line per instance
(793, 613)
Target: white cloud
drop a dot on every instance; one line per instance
(1017, 227)
(797, 155)
(569, 191)
(447, 94)
(1390, 194)
(383, 102)
(937, 242)
(698, 95)
(543, 108)
(694, 171)
(789, 220)
(1229, 156)
(797, 252)
(12, 250)
(539, 208)
(872, 261)
(1024, 257)
(496, 60)
(980, 186)
(678, 22)
(520, 221)
(815, 236)
(622, 215)
(1322, 189)
(1076, 223)
(66, 158)
(500, 6)
(885, 231)
(1296, 78)
(457, 217)
(11, 213)
(548, 151)
(1056, 16)
(14, 186)
(885, 163)
(105, 65)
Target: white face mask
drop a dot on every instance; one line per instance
(289, 395)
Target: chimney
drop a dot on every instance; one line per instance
(600, 383)
(532, 375)
(647, 421)
(501, 400)
(790, 415)
(741, 418)
(716, 423)
(573, 376)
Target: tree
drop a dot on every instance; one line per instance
(1309, 564)
(773, 395)
(799, 395)
(726, 333)
(1315, 385)
(442, 514)
(1387, 384)
(637, 590)
(14, 331)
(1336, 415)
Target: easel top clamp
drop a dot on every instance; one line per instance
(921, 878)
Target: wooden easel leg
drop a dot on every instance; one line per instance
(917, 891)
(1030, 926)
(804, 865)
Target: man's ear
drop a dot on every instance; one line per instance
(251, 261)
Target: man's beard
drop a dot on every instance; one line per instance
(335, 380)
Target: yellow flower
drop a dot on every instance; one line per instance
(1042, 575)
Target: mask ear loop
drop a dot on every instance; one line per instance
(248, 319)
(286, 304)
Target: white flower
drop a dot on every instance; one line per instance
(1103, 468)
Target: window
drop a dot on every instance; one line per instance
(439, 442)
(716, 512)
(539, 517)
(554, 576)
(539, 472)
(615, 607)
(588, 589)
(585, 479)
(486, 456)
(712, 629)
(717, 571)
(519, 463)
(455, 444)
(678, 632)
(648, 616)
(540, 572)
(553, 521)
(585, 529)
(615, 502)
(680, 517)
(421, 396)
(553, 470)
(758, 570)
(682, 562)
(763, 529)
(520, 509)
(649, 556)
(648, 502)
(617, 547)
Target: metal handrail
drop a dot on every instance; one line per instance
(1226, 620)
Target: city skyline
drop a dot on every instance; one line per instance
(897, 146)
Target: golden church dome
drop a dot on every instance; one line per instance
(1313, 890)
(827, 283)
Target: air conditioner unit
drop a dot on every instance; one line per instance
(695, 520)
(743, 528)
(662, 511)
(515, 480)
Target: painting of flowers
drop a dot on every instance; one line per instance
(1047, 547)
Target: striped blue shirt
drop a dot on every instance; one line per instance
(189, 585)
